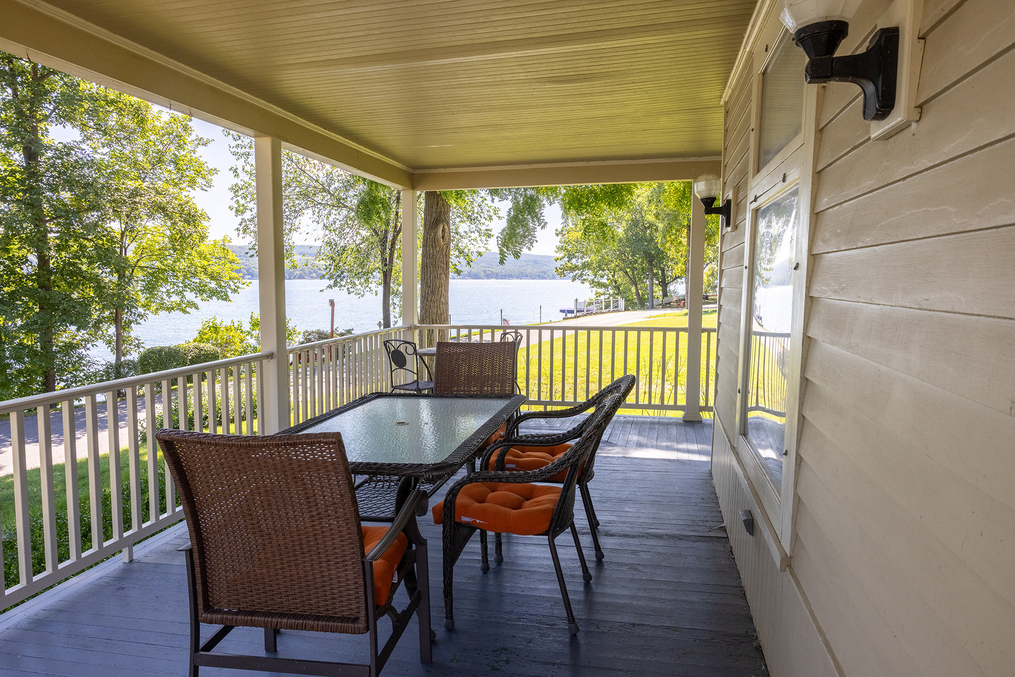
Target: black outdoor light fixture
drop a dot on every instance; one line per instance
(819, 26)
(707, 187)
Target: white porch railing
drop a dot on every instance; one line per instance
(560, 366)
(75, 530)
(90, 512)
(327, 374)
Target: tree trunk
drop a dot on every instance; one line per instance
(117, 341)
(651, 287)
(386, 298)
(42, 246)
(435, 263)
(388, 262)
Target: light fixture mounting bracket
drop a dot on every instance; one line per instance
(874, 70)
(725, 210)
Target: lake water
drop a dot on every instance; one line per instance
(472, 302)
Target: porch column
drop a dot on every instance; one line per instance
(271, 283)
(409, 243)
(692, 292)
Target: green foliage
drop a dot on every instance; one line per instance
(217, 339)
(198, 353)
(616, 250)
(161, 358)
(110, 371)
(315, 335)
(525, 215)
(97, 231)
(162, 259)
(52, 244)
(229, 339)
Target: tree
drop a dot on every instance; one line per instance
(455, 231)
(52, 240)
(358, 222)
(161, 259)
(629, 251)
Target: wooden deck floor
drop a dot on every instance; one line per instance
(667, 600)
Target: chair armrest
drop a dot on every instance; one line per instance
(557, 413)
(401, 521)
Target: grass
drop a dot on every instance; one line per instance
(575, 366)
(7, 509)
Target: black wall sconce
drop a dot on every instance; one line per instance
(708, 187)
(817, 28)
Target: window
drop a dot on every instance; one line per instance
(782, 99)
(768, 350)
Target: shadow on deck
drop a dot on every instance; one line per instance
(667, 600)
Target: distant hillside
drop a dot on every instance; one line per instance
(486, 267)
(304, 254)
(528, 267)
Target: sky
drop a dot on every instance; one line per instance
(222, 221)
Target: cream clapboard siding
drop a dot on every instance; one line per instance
(788, 634)
(905, 496)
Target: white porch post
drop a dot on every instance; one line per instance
(692, 292)
(271, 283)
(409, 299)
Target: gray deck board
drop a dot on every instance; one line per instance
(667, 600)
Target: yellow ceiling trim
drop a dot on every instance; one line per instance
(566, 174)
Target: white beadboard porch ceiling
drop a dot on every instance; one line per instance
(454, 83)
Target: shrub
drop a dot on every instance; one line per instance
(314, 335)
(160, 358)
(198, 353)
(230, 339)
(109, 371)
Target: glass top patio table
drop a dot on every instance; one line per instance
(424, 436)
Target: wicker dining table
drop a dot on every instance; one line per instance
(396, 442)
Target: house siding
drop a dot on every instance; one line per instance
(902, 555)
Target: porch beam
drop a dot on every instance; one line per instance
(60, 40)
(409, 299)
(693, 286)
(271, 283)
(566, 174)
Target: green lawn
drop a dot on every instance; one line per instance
(576, 365)
(7, 510)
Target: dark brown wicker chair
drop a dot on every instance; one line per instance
(486, 368)
(276, 543)
(550, 510)
(495, 456)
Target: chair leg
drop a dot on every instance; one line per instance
(449, 580)
(484, 561)
(586, 575)
(572, 625)
(592, 509)
(593, 522)
(270, 637)
(422, 573)
(498, 552)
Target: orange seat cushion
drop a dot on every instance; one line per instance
(523, 509)
(384, 568)
(532, 458)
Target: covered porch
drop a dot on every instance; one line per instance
(666, 600)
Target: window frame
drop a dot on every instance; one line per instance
(792, 167)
